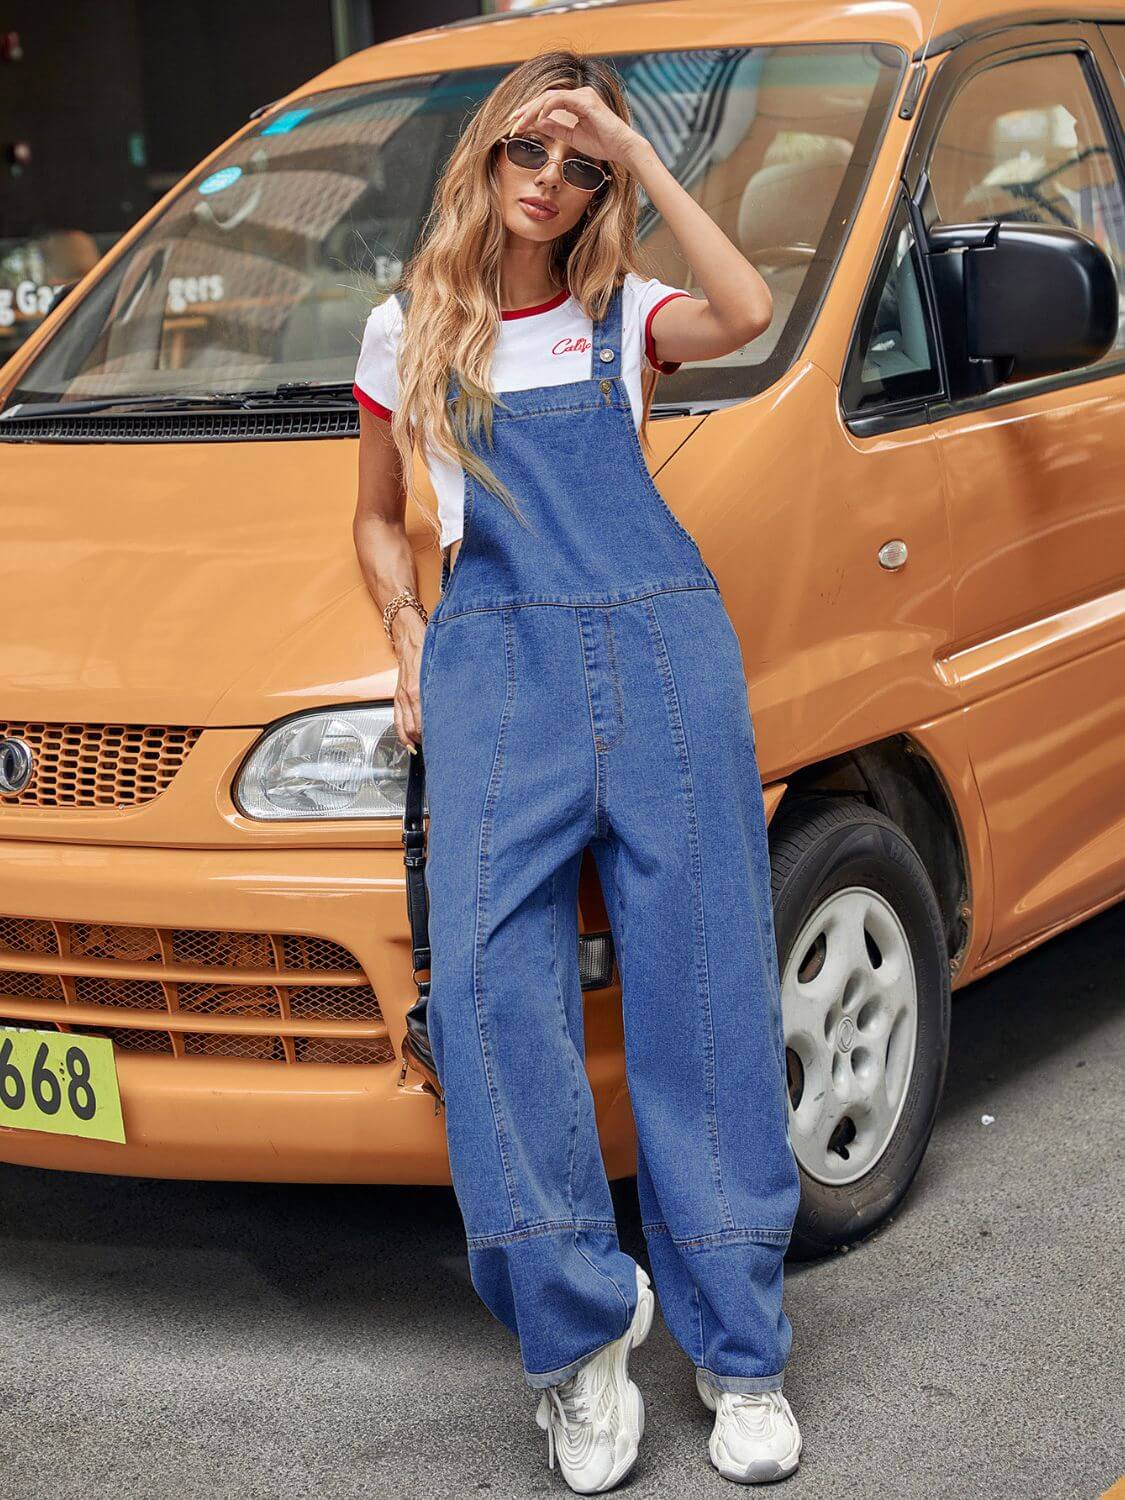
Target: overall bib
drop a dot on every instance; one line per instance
(582, 684)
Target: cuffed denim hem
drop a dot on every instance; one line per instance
(745, 1383)
(556, 1377)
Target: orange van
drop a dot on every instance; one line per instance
(910, 489)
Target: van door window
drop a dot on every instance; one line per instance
(1025, 140)
(893, 359)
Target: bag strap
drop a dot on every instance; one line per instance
(416, 1049)
(414, 858)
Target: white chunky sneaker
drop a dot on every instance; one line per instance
(594, 1420)
(755, 1438)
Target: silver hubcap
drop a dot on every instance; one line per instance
(849, 1001)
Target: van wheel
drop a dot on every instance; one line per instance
(865, 998)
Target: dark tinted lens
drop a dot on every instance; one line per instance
(526, 153)
(582, 174)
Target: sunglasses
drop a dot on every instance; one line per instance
(530, 155)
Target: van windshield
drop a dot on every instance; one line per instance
(260, 272)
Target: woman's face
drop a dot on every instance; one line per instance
(540, 204)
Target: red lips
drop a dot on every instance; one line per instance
(542, 203)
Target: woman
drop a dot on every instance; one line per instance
(581, 684)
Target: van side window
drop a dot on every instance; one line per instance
(1025, 140)
(893, 358)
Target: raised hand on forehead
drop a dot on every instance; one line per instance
(581, 118)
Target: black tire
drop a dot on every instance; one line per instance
(819, 846)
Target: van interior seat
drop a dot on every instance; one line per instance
(787, 203)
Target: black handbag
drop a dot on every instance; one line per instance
(416, 1051)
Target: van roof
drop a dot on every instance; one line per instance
(614, 26)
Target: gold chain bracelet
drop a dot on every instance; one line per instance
(404, 596)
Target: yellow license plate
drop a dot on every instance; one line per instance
(53, 1080)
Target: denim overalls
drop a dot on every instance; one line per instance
(582, 684)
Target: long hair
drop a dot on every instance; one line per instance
(453, 278)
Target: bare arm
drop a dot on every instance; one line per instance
(739, 304)
(386, 560)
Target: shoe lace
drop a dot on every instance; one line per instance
(758, 1407)
(755, 1399)
(571, 1399)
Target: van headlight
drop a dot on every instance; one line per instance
(332, 763)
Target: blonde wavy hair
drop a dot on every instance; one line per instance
(453, 278)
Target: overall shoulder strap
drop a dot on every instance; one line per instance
(605, 354)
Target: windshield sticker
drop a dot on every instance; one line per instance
(286, 122)
(220, 180)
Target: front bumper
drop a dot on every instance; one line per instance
(245, 1118)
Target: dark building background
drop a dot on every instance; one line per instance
(116, 99)
(105, 104)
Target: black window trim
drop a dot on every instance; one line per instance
(990, 26)
(912, 411)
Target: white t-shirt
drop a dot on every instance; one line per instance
(548, 344)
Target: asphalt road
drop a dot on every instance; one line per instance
(181, 1339)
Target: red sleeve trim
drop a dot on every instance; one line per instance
(371, 404)
(666, 367)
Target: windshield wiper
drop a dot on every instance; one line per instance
(288, 393)
(304, 391)
(22, 409)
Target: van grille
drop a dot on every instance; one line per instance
(192, 992)
(97, 765)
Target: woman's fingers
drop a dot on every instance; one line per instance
(408, 714)
(590, 126)
(560, 102)
(536, 110)
(414, 723)
(400, 727)
(521, 115)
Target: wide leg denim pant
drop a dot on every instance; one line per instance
(582, 684)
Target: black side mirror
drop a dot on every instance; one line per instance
(1018, 300)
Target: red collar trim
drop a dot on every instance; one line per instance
(540, 307)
